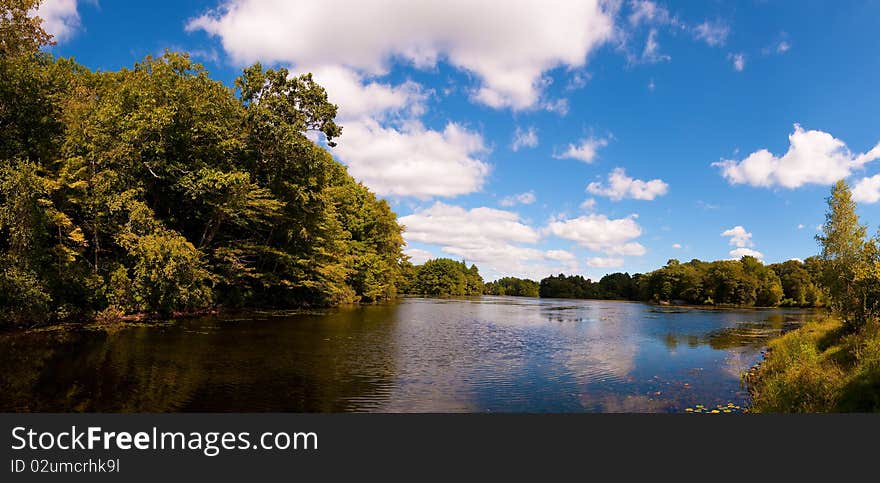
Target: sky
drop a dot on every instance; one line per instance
(536, 137)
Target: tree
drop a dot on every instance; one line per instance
(512, 286)
(851, 262)
(446, 277)
(157, 189)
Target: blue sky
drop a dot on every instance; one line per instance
(535, 137)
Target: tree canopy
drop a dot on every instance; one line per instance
(157, 189)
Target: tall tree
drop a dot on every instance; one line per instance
(850, 260)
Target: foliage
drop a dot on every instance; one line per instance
(512, 286)
(570, 287)
(852, 262)
(744, 282)
(158, 189)
(445, 277)
(831, 365)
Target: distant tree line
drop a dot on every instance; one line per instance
(442, 277)
(518, 287)
(744, 282)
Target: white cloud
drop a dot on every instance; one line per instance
(414, 161)
(585, 150)
(559, 255)
(739, 61)
(738, 253)
(418, 256)
(800, 226)
(526, 198)
(742, 240)
(677, 246)
(524, 138)
(508, 64)
(867, 190)
(60, 18)
(713, 33)
(603, 262)
(443, 224)
(621, 186)
(357, 97)
(588, 204)
(632, 249)
(601, 234)
(813, 157)
(782, 47)
(739, 237)
(491, 238)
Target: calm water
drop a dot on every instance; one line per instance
(422, 355)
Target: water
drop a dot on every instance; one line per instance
(489, 354)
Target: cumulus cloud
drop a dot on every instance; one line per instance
(389, 150)
(738, 253)
(621, 186)
(443, 224)
(60, 18)
(414, 161)
(588, 204)
(782, 47)
(740, 238)
(358, 97)
(559, 255)
(604, 262)
(713, 33)
(585, 150)
(496, 240)
(527, 138)
(526, 198)
(676, 246)
(813, 157)
(867, 190)
(600, 234)
(508, 65)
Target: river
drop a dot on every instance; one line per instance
(488, 354)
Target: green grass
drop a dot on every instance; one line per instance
(819, 368)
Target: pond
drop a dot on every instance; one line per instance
(485, 354)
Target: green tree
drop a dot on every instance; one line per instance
(851, 264)
(446, 277)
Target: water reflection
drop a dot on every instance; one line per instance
(422, 355)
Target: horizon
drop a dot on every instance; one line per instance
(626, 135)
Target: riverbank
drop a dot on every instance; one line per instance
(818, 368)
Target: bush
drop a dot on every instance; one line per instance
(169, 274)
(23, 297)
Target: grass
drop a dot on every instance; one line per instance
(819, 368)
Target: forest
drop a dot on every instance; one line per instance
(158, 190)
(745, 282)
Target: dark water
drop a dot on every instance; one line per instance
(422, 355)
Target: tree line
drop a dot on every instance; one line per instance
(156, 189)
(743, 282)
